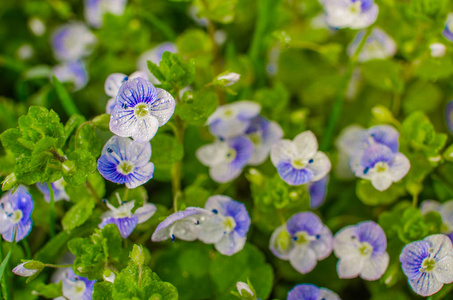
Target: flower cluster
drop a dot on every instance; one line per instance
(243, 137)
(223, 222)
(355, 14)
(373, 155)
(378, 45)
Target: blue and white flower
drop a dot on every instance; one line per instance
(299, 161)
(445, 210)
(113, 84)
(183, 225)
(140, 110)
(379, 45)
(361, 250)
(155, 56)
(449, 116)
(448, 30)
(233, 119)
(75, 287)
(58, 190)
(226, 159)
(72, 41)
(382, 167)
(73, 72)
(228, 225)
(355, 14)
(15, 214)
(125, 161)
(123, 218)
(303, 240)
(427, 264)
(95, 10)
(263, 134)
(21, 270)
(437, 49)
(318, 191)
(311, 292)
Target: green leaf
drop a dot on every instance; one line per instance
(383, 74)
(176, 74)
(166, 151)
(79, 165)
(51, 290)
(198, 109)
(78, 214)
(102, 290)
(73, 123)
(37, 168)
(4, 264)
(87, 139)
(11, 140)
(221, 11)
(65, 98)
(194, 43)
(417, 95)
(370, 196)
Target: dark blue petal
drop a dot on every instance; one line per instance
(304, 221)
(304, 292)
(374, 154)
(292, 175)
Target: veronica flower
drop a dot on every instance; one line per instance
(448, 30)
(347, 145)
(449, 116)
(382, 167)
(378, 45)
(183, 225)
(76, 287)
(355, 14)
(73, 72)
(245, 291)
(95, 10)
(311, 292)
(140, 110)
(58, 190)
(299, 161)
(318, 191)
(155, 56)
(361, 250)
(437, 49)
(233, 119)
(113, 84)
(445, 210)
(226, 159)
(263, 135)
(125, 161)
(72, 41)
(123, 218)
(427, 264)
(229, 79)
(21, 270)
(15, 214)
(227, 227)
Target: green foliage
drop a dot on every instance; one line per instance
(78, 214)
(370, 196)
(79, 165)
(196, 109)
(383, 74)
(217, 10)
(51, 290)
(173, 72)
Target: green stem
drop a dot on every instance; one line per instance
(26, 248)
(52, 210)
(176, 171)
(166, 31)
(65, 98)
(57, 266)
(338, 102)
(4, 283)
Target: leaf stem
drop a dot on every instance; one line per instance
(52, 210)
(4, 283)
(26, 248)
(176, 171)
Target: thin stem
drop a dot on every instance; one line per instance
(26, 248)
(52, 210)
(4, 283)
(57, 266)
(338, 103)
(396, 105)
(166, 30)
(415, 200)
(91, 190)
(176, 170)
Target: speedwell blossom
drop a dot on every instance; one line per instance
(140, 109)
(73, 72)
(244, 290)
(155, 56)
(95, 10)
(303, 240)
(311, 292)
(183, 225)
(233, 119)
(125, 161)
(445, 210)
(75, 287)
(355, 14)
(15, 214)
(299, 161)
(113, 84)
(361, 250)
(72, 41)
(21, 270)
(226, 159)
(448, 30)
(378, 45)
(123, 218)
(228, 225)
(58, 190)
(263, 134)
(428, 264)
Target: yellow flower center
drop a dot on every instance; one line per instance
(125, 167)
(141, 110)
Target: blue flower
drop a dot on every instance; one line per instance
(311, 292)
(383, 167)
(123, 218)
(15, 214)
(125, 161)
(445, 210)
(233, 119)
(303, 240)
(155, 56)
(448, 30)
(140, 110)
(318, 191)
(183, 225)
(427, 264)
(449, 116)
(299, 161)
(228, 225)
(379, 45)
(76, 287)
(72, 41)
(226, 159)
(355, 14)
(113, 84)
(263, 135)
(58, 190)
(73, 72)
(361, 250)
(95, 10)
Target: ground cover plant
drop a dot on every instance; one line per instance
(226, 149)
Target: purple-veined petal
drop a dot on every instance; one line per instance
(145, 212)
(163, 107)
(375, 266)
(113, 83)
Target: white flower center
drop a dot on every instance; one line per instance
(299, 163)
(141, 110)
(303, 238)
(229, 224)
(16, 216)
(428, 265)
(230, 155)
(125, 167)
(365, 249)
(256, 138)
(228, 114)
(355, 8)
(381, 167)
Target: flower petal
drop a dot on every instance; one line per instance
(113, 83)
(230, 244)
(323, 245)
(320, 166)
(224, 172)
(281, 243)
(426, 284)
(375, 266)
(306, 145)
(350, 266)
(145, 212)
(212, 154)
(294, 176)
(145, 129)
(163, 107)
(443, 269)
(303, 259)
(399, 167)
(124, 225)
(212, 231)
(282, 150)
(140, 175)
